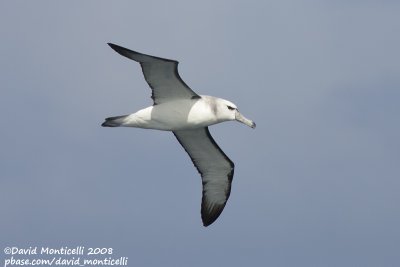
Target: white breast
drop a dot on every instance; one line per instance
(174, 115)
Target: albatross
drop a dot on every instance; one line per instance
(179, 109)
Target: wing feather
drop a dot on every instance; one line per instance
(215, 168)
(161, 74)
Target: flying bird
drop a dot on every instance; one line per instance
(179, 109)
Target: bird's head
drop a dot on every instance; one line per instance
(229, 111)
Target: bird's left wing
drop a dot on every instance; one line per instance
(161, 74)
(215, 168)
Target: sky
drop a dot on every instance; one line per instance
(316, 183)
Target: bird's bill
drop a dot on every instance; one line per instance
(239, 117)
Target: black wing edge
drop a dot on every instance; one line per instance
(210, 214)
(131, 54)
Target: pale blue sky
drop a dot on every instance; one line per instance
(316, 184)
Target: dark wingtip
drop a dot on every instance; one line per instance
(124, 51)
(113, 46)
(209, 216)
(207, 221)
(104, 124)
(114, 121)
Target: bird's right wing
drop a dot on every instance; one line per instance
(161, 74)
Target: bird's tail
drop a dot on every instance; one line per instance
(114, 121)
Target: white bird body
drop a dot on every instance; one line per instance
(179, 115)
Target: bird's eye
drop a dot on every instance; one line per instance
(230, 108)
